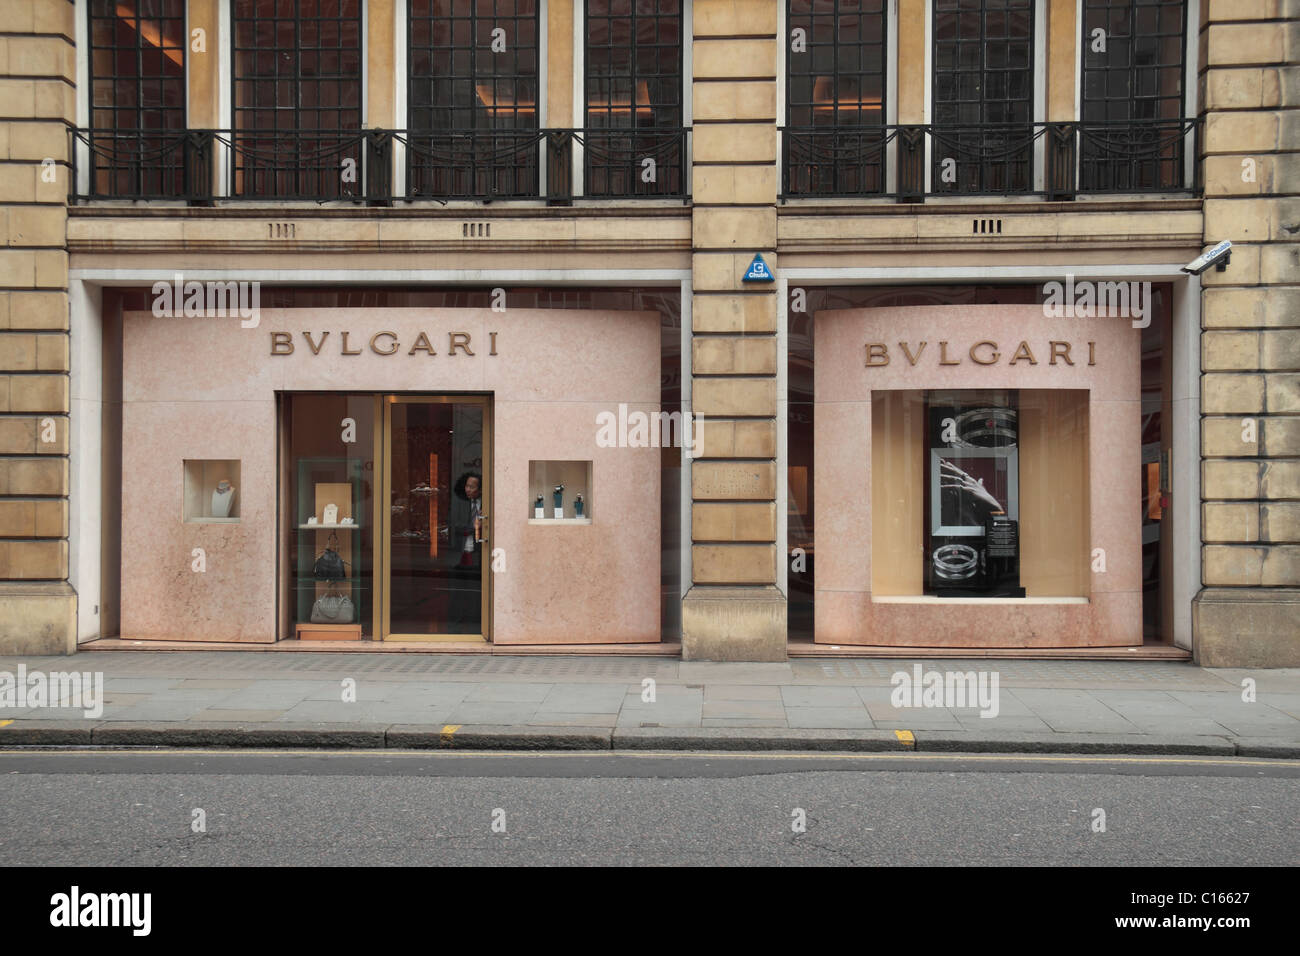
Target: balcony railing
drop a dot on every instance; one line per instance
(1057, 161)
(379, 166)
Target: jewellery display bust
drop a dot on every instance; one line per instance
(223, 498)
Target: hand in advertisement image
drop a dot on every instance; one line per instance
(954, 478)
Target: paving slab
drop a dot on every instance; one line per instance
(549, 718)
(769, 709)
(511, 693)
(586, 698)
(800, 696)
(742, 692)
(828, 717)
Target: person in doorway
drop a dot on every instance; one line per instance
(466, 591)
(469, 517)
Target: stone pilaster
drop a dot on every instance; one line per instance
(37, 105)
(1249, 611)
(734, 610)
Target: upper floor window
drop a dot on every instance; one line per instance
(834, 138)
(473, 85)
(137, 80)
(983, 96)
(633, 140)
(297, 97)
(1132, 96)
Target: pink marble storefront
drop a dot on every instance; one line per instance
(205, 389)
(886, 350)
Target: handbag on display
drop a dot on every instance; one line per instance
(330, 565)
(332, 609)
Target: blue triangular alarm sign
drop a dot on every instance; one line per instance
(758, 270)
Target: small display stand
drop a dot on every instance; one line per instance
(575, 476)
(211, 490)
(328, 488)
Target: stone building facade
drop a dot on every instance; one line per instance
(730, 156)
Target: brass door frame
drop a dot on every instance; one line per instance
(383, 615)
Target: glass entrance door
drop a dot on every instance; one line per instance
(437, 494)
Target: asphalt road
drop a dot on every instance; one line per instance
(96, 808)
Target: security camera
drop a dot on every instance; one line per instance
(1219, 257)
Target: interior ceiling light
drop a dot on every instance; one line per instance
(825, 99)
(622, 106)
(149, 32)
(494, 104)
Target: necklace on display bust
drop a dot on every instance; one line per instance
(222, 499)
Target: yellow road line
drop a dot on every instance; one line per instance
(694, 754)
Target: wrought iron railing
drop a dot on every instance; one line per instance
(379, 166)
(909, 163)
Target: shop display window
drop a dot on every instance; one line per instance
(980, 493)
(329, 489)
(559, 492)
(211, 490)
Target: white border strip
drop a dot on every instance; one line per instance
(423, 277)
(1164, 270)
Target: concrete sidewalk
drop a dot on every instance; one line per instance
(477, 701)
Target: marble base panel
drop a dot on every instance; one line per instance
(1109, 619)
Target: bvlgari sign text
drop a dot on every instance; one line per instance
(381, 343)
(984, 352)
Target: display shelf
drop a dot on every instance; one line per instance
(575, 476)
(322, 482)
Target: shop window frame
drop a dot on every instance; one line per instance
(1002, 153)
(137, 150)
(503, 153)
(614, 155)
(835, 159)
(1145, 148)
(291, 159)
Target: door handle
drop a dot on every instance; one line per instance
(480, 529)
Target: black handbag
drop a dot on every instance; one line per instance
(330, 565)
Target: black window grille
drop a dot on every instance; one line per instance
(297, 98)
(834, 138)
(137, 110)
(633, 141)
(472, 104)
(1131, 127)
(983, 96)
